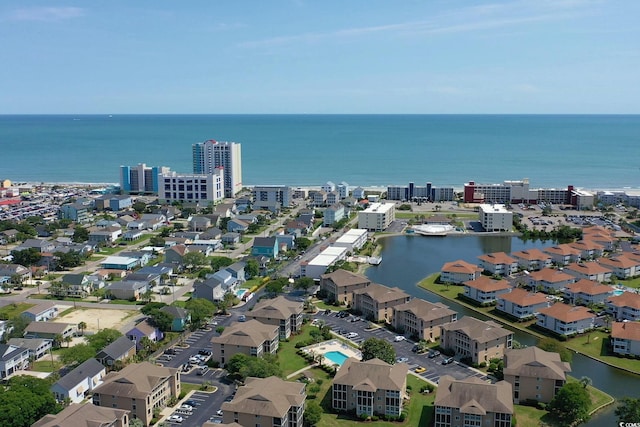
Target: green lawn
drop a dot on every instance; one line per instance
(46, 365)
(13, 310)
(595, 344)
(187, 387)
(324, 306)
(289, 360)
(632, 283)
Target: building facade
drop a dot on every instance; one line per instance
(201, 189)
(376, 302)
(211, 155)
(422, 318)
(475, 339)
(141, 179)
(377, 216)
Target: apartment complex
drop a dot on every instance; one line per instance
(139, 388)
(625, 338)
(266, 195)
(370, 387)
(495, 218)
(565, 320)
(252, 338)
(376, 302)
(425, 193)
(472, 402)
(422, 318)
(478, 340)
(267, 402)
(280, 311)
(211, 155)
(340, 284)
(141, 179)
(202, 189)
(85, 415)
(459, 271)
(377, 216)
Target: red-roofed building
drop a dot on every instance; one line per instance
(625, 338)
(550, 279)
(522, 304)
(563, 254)
(566, 320)
(622, 266)
(588, 249)
(532, 259)
(498, 263)
(459, 272)
(485, 290)
(589, 270)
(624, 307)
(585, 292)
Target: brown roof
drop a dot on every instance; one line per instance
(461, 266)
(381, 293)
(565, 249)
(567, 313)
(425, 310)
(277, 308)
(247, 334)
(589, 287)
(345, 278)
(477, 330)
(588, 268)
(620, 261)
(487, 284)
(535, 362)
(145, 327)
(588, 245)
(627, 299)
(523, 298)
(82, 415)
(47, 327)
(531, 255)
(626, 330)
(596, 229)
(551, 275)
(474, 396)
(180, 249)
(497, 258)
(270, 397)
(137, 380)
(372, 375)
(40, 307)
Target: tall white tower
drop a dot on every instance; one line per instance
(211, 154)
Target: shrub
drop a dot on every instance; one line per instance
(483, 365)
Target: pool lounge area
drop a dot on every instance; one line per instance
(333, 352)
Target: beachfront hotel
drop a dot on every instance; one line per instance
(195, 189)
(141, 179)
(211, 155)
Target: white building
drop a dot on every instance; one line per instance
(495, 218)
(202, 189)
(211, 155)
(377, 216)
(262, 194)
(343, 190)
(353, 239)
(318, 265)
(328, 187)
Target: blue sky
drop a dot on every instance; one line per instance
(302, 56)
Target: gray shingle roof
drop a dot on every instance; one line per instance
(87, 369)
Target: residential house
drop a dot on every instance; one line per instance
(376, 302)
(127, 289)
(625, 306)
(175, 254)
(119, 263)
(589, 270)
(226, 278)
(459, 271)
(105, 234)
(41, 313)
(144, 329)
(199, 223)
(252, 338)
(78, 285)
(265, 246)
(210, 289)
(280, 311)
(41, 245)
(475, 339)
(237, 226)
(237, 271)
(566, 320)
(139, 388)
(37, 347)
(532, 259)
(422, 319)
(621, 266)
(265, 402)
(213, 233)
(319, 198)
(333, 214)
(340, 284)
(49, 330)
(10, 270)
(78, 212)
(85, 415)
(589, 249)
(521, 304)
(563, 254)
(76, 384)
(143, 257)
(498, 263)
(625, 338)
(12, 359)
(285, 242)
(549, 280)
(370, 387)
(586, 292)
(534, 374)
(231, 238)
(122, 349)
(297, 228)
(473, 402)
(180, 316)
(153, 222)
(485, 290)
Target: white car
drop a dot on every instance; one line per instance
(398, 338)
(219, 412)
(176, 419)
(352, 335)
(187, 407)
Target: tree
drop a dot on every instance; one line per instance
(57, 340)
(26, 257)
(149, 308)
(218, 262)
(243, 366)
(303, 283)
(25, 400)
(68, 339)
(549, 344)
(68, 260)
(571, 404)
(586, 382)
(200, 310)
(312, 413)
(157, 241)
(147, 295)
(302, 243)
(276, 286)
(135, 422)
(227, 302)
(139, 207)
(377, 348)
(628, 411)
(194, 260)
(80, 234)
(103, 338)
(162, 320)
(252, 268)
(77, 354)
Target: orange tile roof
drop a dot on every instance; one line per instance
(589, 287)
(461, 266)
(564, 249)
(567, 313)
(551, 275)
(620, 261)
(487, 284)
(588, 268)
(587, 245)
(626, 330)
(531, 254)
(497, 258)
(596, 229)
(523, 298)
(627, 299)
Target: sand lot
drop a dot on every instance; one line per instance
(99, 318)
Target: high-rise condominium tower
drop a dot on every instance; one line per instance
(209, 155)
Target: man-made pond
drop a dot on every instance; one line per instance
(409, 259)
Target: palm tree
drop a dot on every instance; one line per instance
(68, 340)
(82, 326)
(38, 283)
(57, 341)
(148, 295)
(586, 381)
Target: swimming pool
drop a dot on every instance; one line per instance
(336, 357)
(240, 293)
(618, 292)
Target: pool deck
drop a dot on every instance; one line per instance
(333, 345)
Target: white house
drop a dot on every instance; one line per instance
(79, 382)
(625, 338)
(566, 320)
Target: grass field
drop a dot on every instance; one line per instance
(13, 310)
(287, 358)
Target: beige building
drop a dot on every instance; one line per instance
(280, 311)
(252, 338)
(340, 285)
(371, 387)
(376, 302)
(377, 216)
(267, 402)
(459, 271)
(139, 388)
(472, 402)
(481, 341)
(534, 374)
(495, 218)
(85, 415)
(422, 318)
(498, 263)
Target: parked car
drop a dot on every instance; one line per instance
(433, 353)
(351, 335)
(447, 360)
(170, 351)
(186, 407)
(192, 402)
(219, 412)
(420, 369)
(176, 419)
(398, 338)
(402, 360)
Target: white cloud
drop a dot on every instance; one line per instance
(46, 14)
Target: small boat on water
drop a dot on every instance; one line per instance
(375, 260)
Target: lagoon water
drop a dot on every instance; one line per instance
(591, 152)
(409, 259)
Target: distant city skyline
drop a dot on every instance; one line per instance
(330, 57)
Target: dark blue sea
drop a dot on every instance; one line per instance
(591, 152)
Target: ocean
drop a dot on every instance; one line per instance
(553, 151)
